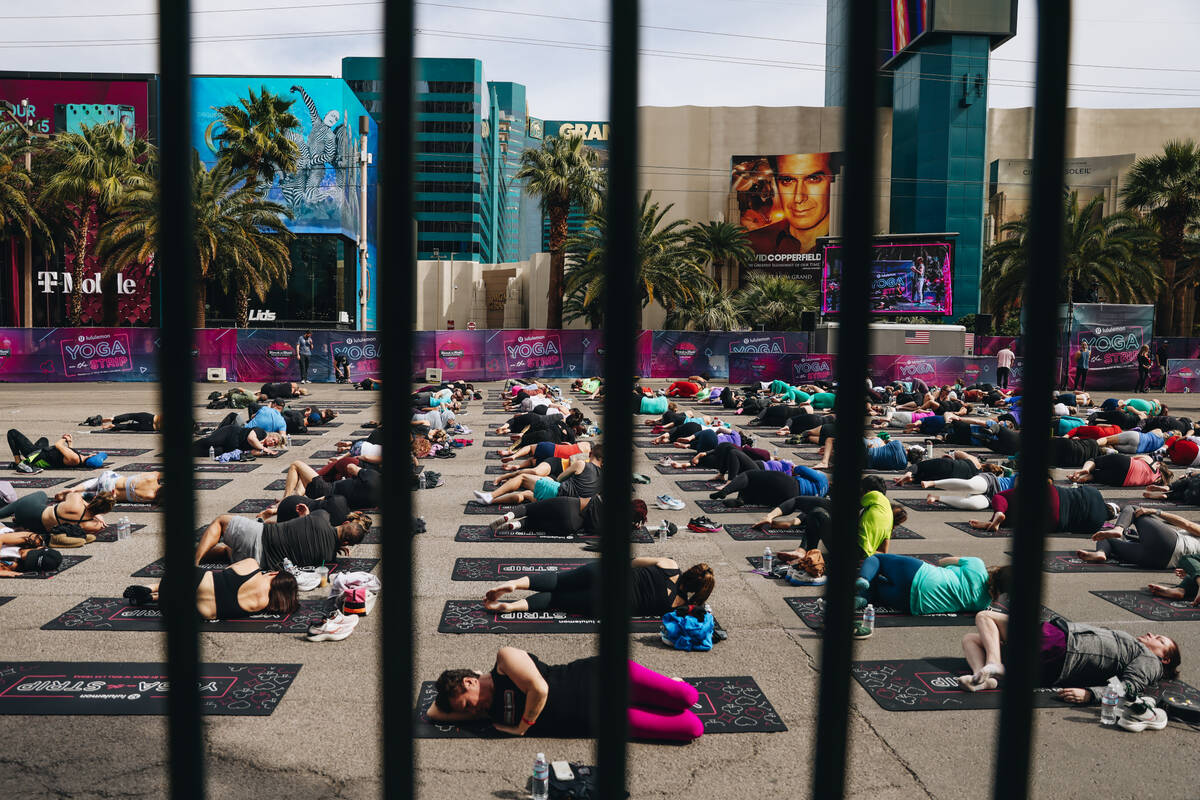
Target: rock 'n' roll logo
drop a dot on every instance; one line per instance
(685, 352)
(450, 353)
(280, 353)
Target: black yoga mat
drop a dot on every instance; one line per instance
(745, 533)
(137, 688)
(919, 504)
(806, 610)
(1005, 533)
(4, 600)
(502, 569)
(718, 507)
(208, 484)
(929, 558)
(932, 685)
(495, 469)
(155, 569)
(479, 509)
(482, 533)
(203, 466)
(328, 454)
(109, 534)
(118, 430)
(469, 616)
(277, 485)
(1066, 561)
(678, 454)
(67, 563)
(666, 470)
(699, 485)
(34, 482)
(726, 705)
(118, 452)
(136, 508)
(253, 505)
(117, 614)
(1147, 606)
(501, 443)
(492, 455)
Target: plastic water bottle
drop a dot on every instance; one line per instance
(662, 532)
(123, 529)
(212, 453)
(768, 559)
(869, 617)
(1108, 705)
(541, 778)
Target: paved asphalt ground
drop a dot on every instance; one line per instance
(321, 741)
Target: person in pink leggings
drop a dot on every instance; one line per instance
(521, 695)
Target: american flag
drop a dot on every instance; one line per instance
(916, 337)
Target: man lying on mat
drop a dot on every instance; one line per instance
(308, 541)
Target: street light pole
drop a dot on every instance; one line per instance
(364, 160)
(27, 278)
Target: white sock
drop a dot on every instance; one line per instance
(510, 516)
(484, 497)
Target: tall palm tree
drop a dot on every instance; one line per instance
(99, 167)
(18, 215)
(1113, 254)
(241, 238)
(254, 136)
(670, 267)
(561, 174)
(1167, 188)
(776, 302)
(710, 309)
(726, 246)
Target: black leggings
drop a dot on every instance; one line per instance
(818, 525)
(1156, 543)
(686, 429)
(559, 516)
(776, 415)
(137, 421)
(21, 448)
(761, 488)
(27, 511)
(735, 462)
(575, 591)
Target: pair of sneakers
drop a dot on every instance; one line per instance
(1142, 714)
(668, 503)
(703, 524)
(334, 627)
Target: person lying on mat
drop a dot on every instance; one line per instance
(767, 488)
(1133, 442)
(912, 586)
(708, 438)
(521, 695)
(32, 513)
(655, 588)
(878, 519)
(726, 458)
(236, 592)
(284, 390)
(580, 478)
(977, 490)
(361, 489)
(533, 420)
(688, 388)
(563, 516)
(299, 421)
(656, 404)
(1076, 659)
(801, 423)
(31, 456)
(1161, 539)
(1076, 509)
(685, 430)
(21, 552)
(587, 386)
(309, 541)
(133, 421)
(1188, 571)
(235, 437)
(297, 505)
(1118, 469)
(142, 487)
(437, 420)
(955, 464)
(531, 455)
(881, 453)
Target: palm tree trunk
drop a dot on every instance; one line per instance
(558, 244)
(201, 298)
(243, 307)
(1182, 326)
(75, 303)
(1166, 300)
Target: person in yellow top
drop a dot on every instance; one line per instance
(874, 523)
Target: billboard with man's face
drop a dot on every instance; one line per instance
(784, 202)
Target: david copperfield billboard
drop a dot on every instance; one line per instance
(784, 201)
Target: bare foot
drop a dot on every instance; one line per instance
(1169, 592)
(1110, 533)
(1090, 556)
(972, 683)
(926, 484)
(820, 465)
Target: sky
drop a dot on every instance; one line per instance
(694, 52)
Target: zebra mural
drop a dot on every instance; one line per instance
(327, 146)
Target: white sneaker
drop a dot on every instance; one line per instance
(334, 629)
(1148, 717)
(307, 579)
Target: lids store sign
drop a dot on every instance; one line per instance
(64, 282)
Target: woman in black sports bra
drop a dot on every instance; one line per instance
(31, 512)
(656, 587)
(235, 592)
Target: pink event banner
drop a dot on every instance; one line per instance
(1183, 375)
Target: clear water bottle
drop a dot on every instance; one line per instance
(662, 532)
(123, 527)
(212, 453)
(1108, 706)
(768, 559)
(869, 617)
(541, 778)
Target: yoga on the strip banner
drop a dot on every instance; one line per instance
(1114, 334)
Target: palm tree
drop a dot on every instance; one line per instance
(776, 302)
(670, 268)
(726, 246)
(99, 167)
(561, 173)
(1167, 188)
(710, 309)
(255, 137)
(1113, 255)
(241, 239)
(18, 216)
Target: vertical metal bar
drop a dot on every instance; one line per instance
(177, 254)
(858, 215)
(397, 275)
(1040, 306)
(619, 337)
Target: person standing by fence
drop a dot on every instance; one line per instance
(1004, 362)
(1082, 361)
(1143, 366)
(304, 348)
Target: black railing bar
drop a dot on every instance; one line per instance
(858, 215)
(1033, 503)
(396, 315)
(620, 316)
(176, 251)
